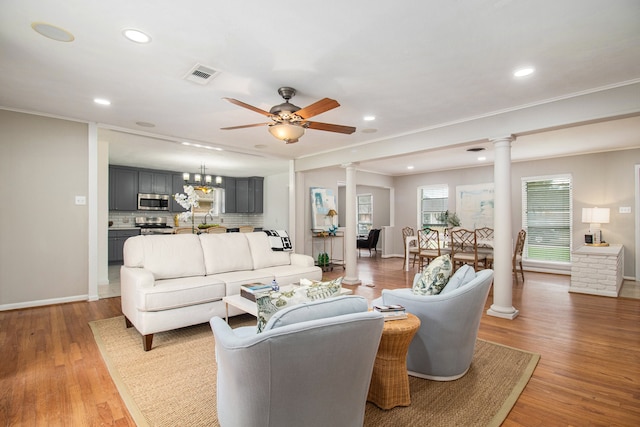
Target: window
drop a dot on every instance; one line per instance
(433, 201)
(546, 217)
(365, 213)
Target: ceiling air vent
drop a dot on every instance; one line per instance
(201, 74)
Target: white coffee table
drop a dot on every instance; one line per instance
(248, 306)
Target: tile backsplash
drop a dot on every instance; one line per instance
(231, 220)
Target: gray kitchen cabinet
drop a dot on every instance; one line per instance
(249, 197)
(177, 187)
(123, 189)
(116, 243)
(230, 195)
(152, 182)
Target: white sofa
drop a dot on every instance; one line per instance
(177, 280)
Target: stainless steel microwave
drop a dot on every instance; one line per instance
(153, 202)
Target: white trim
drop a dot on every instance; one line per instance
(93, 159)
(637, 214)
(40, 303)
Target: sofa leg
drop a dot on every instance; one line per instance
(127, 322)
(147, 340)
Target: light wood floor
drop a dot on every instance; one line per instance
(51, 372)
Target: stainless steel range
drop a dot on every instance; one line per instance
(153, 225)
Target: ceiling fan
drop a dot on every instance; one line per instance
(289, 121)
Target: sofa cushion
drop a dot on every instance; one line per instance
(181, 292)
(435, 277)
(262, 254)
(226, 252)
(173, 255)
(279, 240)
(318, 309)
(271, 302)
(461, 277)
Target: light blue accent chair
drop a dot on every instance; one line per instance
(311, 366)
(442, 349)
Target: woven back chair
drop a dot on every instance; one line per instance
(464, 249)
(517, 255)
(413, 246)
(429, 245)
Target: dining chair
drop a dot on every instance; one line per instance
(464, 249)
(245, 229)
(183, 230)
(484, 238)
(517, 255)
(429, 245)
(216, 230)
(413, 246)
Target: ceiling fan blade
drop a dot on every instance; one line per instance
(249, 107)
(330, 127)
(245, 126)
(316, 108)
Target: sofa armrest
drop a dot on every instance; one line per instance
(132, 279)
(302, 260)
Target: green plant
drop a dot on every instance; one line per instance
(449, 218)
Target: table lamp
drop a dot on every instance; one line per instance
(594, 217)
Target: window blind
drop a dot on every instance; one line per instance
(546, 216)
(434, 199)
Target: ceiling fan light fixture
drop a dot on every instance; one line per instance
(286, 132)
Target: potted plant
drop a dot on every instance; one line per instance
(449, 218)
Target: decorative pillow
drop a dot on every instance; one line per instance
(461, 277)
(273, 301)
(435, 277)
(279, 240)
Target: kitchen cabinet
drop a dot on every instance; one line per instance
(177, 187)
(152, 182)
(123, 189)
(249, 196)
(116, 243)
(229, 195)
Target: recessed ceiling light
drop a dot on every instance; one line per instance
(369, 118)
(136, 35)
(523, 72)
(482, 159)
(410, 167)
(102, 101)
(52, 32)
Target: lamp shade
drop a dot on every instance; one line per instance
(286, 132)
(332, 212)
(595, 215)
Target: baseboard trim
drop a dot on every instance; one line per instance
(40, 303)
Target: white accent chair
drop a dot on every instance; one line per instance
(442, 349)
(311, 366)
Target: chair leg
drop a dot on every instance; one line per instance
(522, 272)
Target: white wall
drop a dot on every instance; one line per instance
(276, 202)
(603, 180)
(44, 245)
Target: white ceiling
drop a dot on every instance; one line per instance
(417, 67)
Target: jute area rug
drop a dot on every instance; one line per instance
(175, 383)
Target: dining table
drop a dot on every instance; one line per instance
(487, 243)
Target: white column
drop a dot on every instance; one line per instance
(350, 235)
(502, 247)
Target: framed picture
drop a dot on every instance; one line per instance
(322, 201)
(474, 205)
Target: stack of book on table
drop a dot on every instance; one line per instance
(391, 312)
(250, 290)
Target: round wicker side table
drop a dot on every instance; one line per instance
(390, 382)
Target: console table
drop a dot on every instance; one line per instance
(597, 270)
(327, 240)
